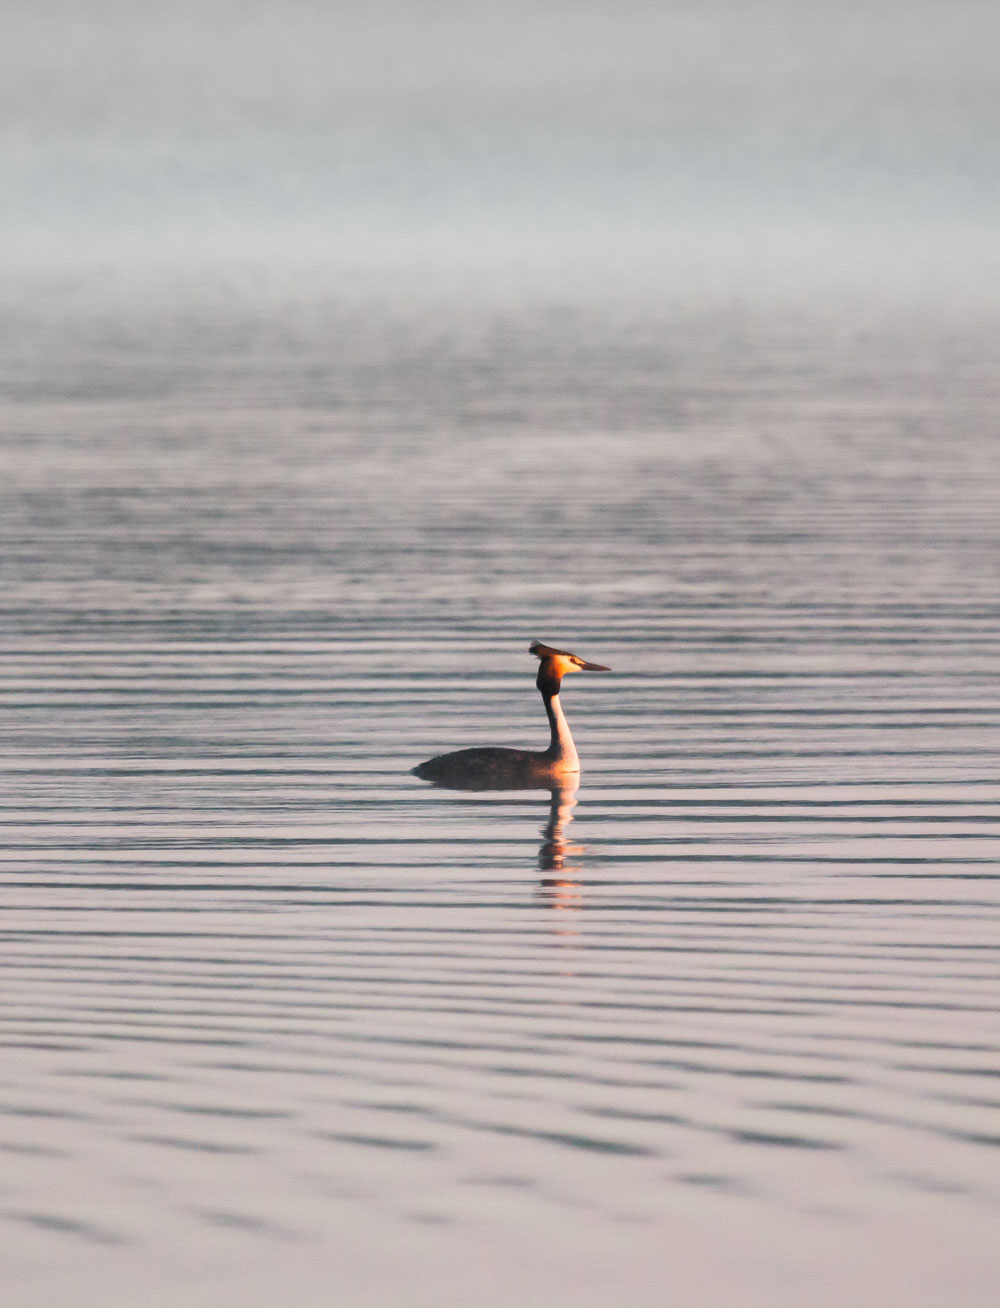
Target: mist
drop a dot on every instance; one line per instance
(637, 141)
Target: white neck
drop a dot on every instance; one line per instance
(561, 750)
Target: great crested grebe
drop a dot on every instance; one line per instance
(504, 769)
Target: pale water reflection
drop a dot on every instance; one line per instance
(283, 1024)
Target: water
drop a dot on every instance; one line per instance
(282, 1023)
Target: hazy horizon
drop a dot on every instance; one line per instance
(689, 141)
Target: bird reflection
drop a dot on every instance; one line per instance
(555, 847)
(562, 889)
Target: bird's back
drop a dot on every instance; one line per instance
(483, 769)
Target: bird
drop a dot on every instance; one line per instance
(497, 768)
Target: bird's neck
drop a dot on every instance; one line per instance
(561, 750)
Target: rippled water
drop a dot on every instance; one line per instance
(283, 1024)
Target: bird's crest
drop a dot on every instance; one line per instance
(563, 658)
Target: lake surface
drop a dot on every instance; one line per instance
(283, 1024)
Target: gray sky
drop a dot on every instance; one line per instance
(252, 126)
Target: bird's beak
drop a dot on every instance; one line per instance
(593, 667)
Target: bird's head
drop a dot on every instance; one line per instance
(555, 663)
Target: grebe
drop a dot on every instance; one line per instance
(506, 769)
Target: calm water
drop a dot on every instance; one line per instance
(282, 1024)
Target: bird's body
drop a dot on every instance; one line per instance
(492, 768)
(501, 769)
